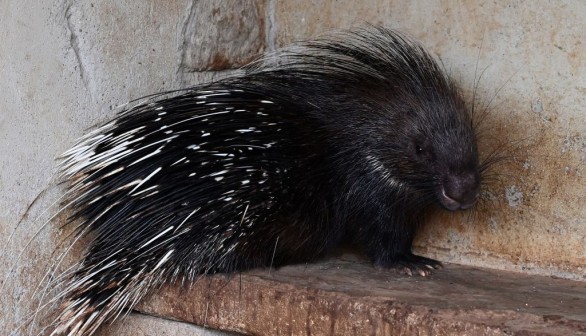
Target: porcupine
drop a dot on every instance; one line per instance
(351, 136)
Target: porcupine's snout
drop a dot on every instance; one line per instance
(460, 191)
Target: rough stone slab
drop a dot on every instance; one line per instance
(219, 35)
(349, 297)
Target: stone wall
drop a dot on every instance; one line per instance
(65, 65)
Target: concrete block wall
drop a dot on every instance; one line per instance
(65, 65)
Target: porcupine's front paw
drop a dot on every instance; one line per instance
(411, 263)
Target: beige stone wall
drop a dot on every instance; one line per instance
(65, 65)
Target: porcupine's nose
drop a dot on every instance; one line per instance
(460, 191)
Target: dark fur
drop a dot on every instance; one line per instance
(363, 132)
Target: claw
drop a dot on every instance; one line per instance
(410, 264)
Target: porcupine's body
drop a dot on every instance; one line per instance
(348, 137)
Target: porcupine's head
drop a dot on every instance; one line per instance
(433, 139)
(438, 152)
(420, 135)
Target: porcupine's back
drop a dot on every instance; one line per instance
(252, 171)
(203, 166)
(178, 187)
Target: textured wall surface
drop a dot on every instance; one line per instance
(66, 65)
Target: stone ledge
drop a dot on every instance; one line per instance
(348, 297)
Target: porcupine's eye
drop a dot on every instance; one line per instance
(418, 149)
(421, 152)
